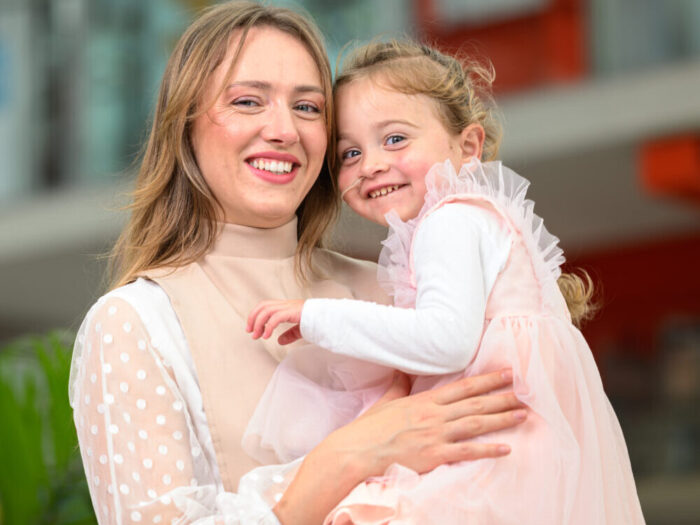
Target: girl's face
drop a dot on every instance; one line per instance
(261, 145)
(391, 140)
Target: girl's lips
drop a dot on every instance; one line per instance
(383, 191)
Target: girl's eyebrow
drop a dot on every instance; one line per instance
(387, 122)
(383, 124)
(267, 86)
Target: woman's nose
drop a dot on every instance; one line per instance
(281, 127)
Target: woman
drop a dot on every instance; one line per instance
(164, 377)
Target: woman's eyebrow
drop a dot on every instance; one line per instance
(259, 84)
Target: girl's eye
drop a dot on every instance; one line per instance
(349, 154)
(394, 139)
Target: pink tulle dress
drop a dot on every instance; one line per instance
(569, 463)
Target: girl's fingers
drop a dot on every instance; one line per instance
(267, 315)
(252, 316)
(291, 335)
(472, 426)
(471, 386)
(262, 320)
(490, 404)
(259, 308)
(255, 313)
(274, 321)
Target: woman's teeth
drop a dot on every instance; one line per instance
(383, 191)
(273, 166)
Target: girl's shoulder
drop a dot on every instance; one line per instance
(501, 191)
(488, 188)
(488, 197)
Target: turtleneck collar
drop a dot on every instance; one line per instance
(258, 243)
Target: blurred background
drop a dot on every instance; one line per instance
(601, 108)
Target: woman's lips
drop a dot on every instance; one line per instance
(274, 177)
(274, 167)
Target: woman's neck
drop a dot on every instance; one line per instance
(235, 240)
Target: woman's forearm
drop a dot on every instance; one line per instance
(325, 477)
(345, 458)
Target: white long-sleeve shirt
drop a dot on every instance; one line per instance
(143, 432)
(458, 252)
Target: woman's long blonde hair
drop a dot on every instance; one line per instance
(462, 90)
(173, 217)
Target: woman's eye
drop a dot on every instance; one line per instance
(307, 108)
(394, 139)
(245, 102)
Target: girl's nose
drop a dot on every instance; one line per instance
(280, 127)
(373, 163)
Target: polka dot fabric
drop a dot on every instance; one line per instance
(142, 458)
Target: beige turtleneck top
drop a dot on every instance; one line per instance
(165, 378)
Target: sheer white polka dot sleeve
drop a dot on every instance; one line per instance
(142, 431)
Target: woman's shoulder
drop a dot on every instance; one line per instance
(357, 274)
(142, 301)
(143, 295)
(139, 311)
(340, 262)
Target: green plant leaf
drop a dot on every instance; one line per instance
(41, 474)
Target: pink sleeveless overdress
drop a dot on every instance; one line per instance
(569, 463)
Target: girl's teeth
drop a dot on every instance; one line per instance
(383, 191)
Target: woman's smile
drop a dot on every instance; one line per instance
(274, 167)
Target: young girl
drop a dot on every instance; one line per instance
(474, 275)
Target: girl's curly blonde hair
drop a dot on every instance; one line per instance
(462, 89)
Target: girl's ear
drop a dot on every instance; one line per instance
(471, 141)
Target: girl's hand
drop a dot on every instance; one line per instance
(267, 315)
(420, 431)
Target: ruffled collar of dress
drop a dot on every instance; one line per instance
(259, 243)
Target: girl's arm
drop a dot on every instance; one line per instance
(458, 251)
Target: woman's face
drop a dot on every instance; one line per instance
(261, 145)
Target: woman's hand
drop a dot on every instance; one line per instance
(268, 315)
(420, 431)
(434, 427)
